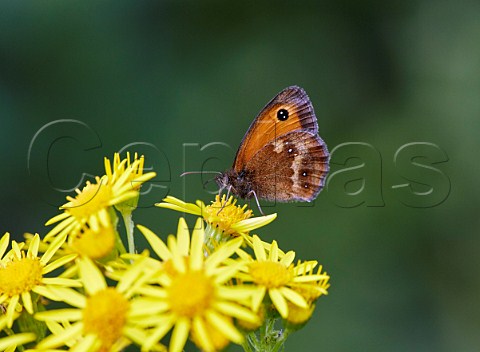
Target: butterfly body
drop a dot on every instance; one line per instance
(281, 158)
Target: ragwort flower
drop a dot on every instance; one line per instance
(103, 318)
(276, 276)
(91, 204)
(129, 172)
(224, 218)
(23, 274)
(194, 292)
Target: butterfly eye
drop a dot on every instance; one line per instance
(282, 114)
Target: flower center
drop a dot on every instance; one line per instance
(190, 294)
(95, 245)
(105, 315)
(20, 276)
(270, 274)
(90, 200)
(229, 214)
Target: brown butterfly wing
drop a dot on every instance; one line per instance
(267, 126)
(292, 167)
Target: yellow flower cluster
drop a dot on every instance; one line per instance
(213, 285)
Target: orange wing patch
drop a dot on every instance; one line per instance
(289, 111)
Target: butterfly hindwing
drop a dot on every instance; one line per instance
(291, 168)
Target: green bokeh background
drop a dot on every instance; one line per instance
(164, 73)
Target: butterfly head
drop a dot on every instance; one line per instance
(222, 181)
(237, 183)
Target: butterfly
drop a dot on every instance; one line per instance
(281, 157)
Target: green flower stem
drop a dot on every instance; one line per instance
(246, 345)
(119, 243)
(129, 225)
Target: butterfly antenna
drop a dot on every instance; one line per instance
(199, 172)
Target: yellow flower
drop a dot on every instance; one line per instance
(23, 273)
(223, 217)
(120, 167)
(298, 316)
(276, 276)
(132, 171)
(194, 292)
(103, 319)
(91, 204)
(10, 343)
(311, 290)
(94, 244)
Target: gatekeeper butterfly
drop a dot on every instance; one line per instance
(281, 157)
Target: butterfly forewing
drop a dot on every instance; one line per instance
(291, 110)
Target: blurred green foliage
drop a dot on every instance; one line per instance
(165, 73)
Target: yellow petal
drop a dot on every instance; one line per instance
(4, 242)
(158, 333)
(57, 218)
(224, 326)
(156, 243)
(258, 249)
(251, 224)
(279, 302)
(85, 344)
(69, 296)
(68, 334)
(183, 237)
(294, 297)
(61, 282)
(257, 298)
(59, 262)
(223, 252)
(18, 339)
(33, 248)
(92, 278)
(11, 310)
(60, 315)
(178, 205)
(179, 335)
(196, 253)
(288, 259)
(202, 335)
(27, 301)
(273, 255)
(53, 247)
(236, 311)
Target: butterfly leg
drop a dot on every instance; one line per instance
(252, 192)
(229, 189)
